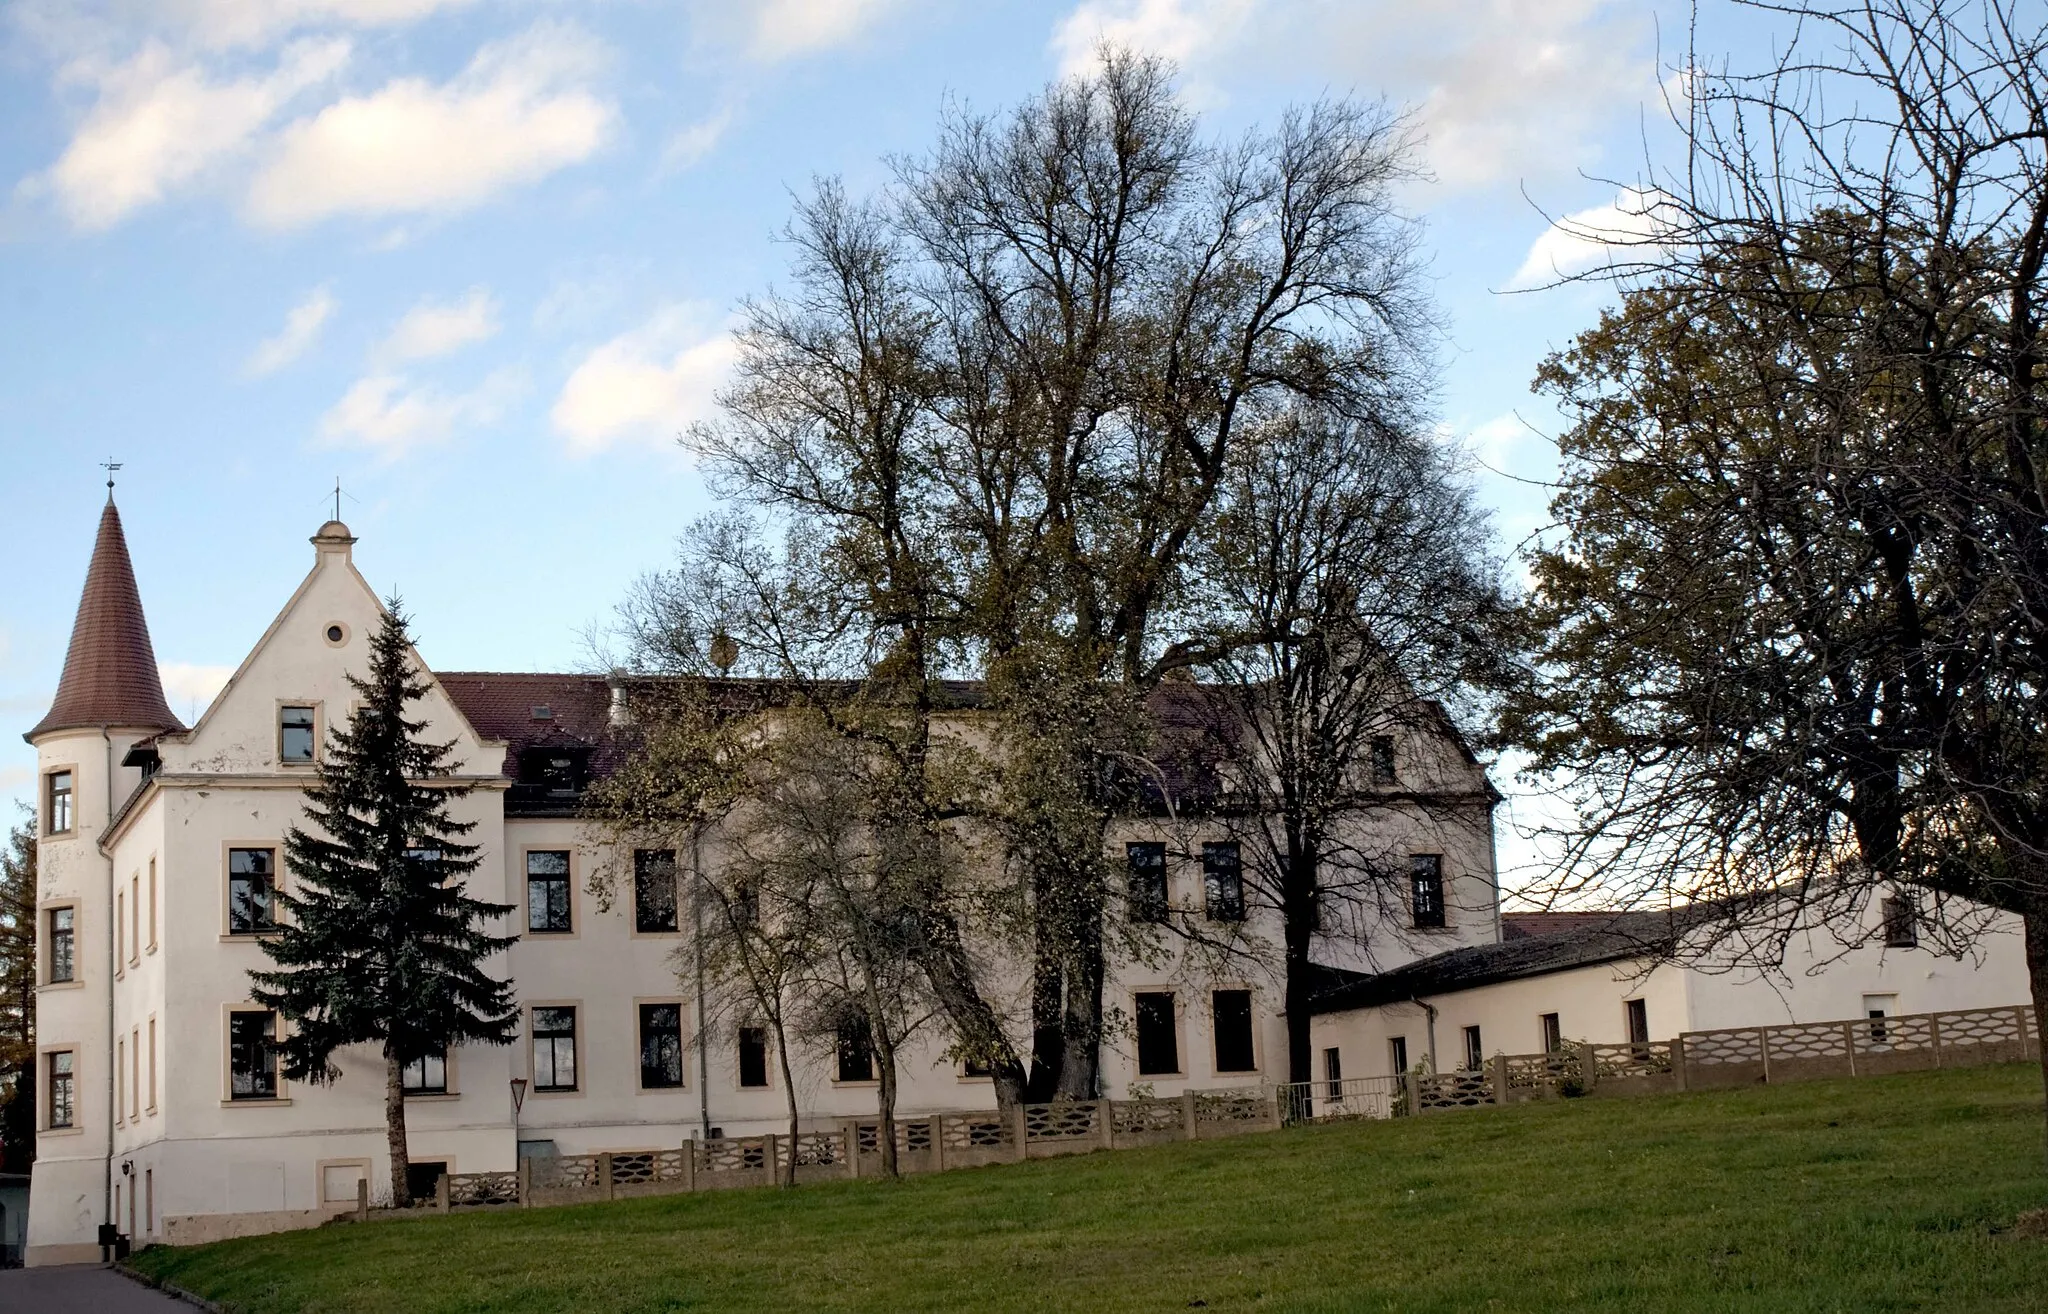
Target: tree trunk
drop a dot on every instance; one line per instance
(885, 1097)
(1047, 991)
(946, 967)
(1298, 924)
(394, 1127)
(1081, 1019)
(2037, 978)
(786, 1170)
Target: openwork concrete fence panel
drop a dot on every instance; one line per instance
(1226, 1113)
(483, 1189)
(1149, 1121)
(975, 1138)
(1724, 1058)
(1063, 1128)
(1435, 1091)
(2006, 1035)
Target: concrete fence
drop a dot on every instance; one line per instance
(851, 1148)
(1695, 1060)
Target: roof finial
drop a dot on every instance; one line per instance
(337, 497)
(110, 465)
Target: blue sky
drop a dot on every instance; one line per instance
(476, 258)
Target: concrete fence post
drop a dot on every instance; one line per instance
(1849, 1044)
(1187, 1113)
(1020, 1130)
(1589, 1066)
(1413, 1087)
(363, 1199)
(849, 1132)
(1934, 1034)
(1678, 1061)
(2030, 1045)
(772, 1159)
(1763, 1045)
(441, 1192)
(525, 1179)
(1276, 1115)
(690, 1164)
(604, 1174)
(1105, 1113)
(1498, 1067)
(938, 1143)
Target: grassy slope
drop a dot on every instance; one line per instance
(1882, 1194)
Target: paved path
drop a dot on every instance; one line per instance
(81, 1289)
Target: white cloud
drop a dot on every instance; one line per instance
(434, 329)
(251, 22)
(1505, 89)
(388, 413)
(519, 112)
(159, 121)
(693, 142)
(190, 685)
(647, 385)
(786, 28)
(302, 325)
(1587, 239)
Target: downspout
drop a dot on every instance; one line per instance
(107, 1183)
(1430, 1010)
(697, 925)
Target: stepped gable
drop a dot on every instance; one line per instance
(110, 676)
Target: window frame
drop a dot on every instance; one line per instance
(46, 801)
(675, 905)
(1633, 1012)
(854, 1037)
(1213, 872)
(740, 1043)
(1550, 1033)
(228, 850)
(1173, 1032)
(1475, 1049)
(1901, 921)
(1383, 760)
(568, 878)
(1435, 915)
(447, 1088)
(314, 729)
(1251, 1031)
(46, 1111)
(574, 1007)
(1149, 908)
(640, 1009)
(1333, 1073)
(1397, 1054)
(151, 948)
(277, 1094)
(50, 938)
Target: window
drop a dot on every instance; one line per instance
(1147, 876)
(1333, 1072)
(251, 877)
(152, 1065)
(62, 1106)
(423, 1180)
(1475, 1052)
(654, 890)
(1158, 1041)
(63, 945)
(120, 1077)
(1638, 1018)
(661, 1046)
(1231, 1011)
(551, 773)
(1223, 882)
(554, 1049)
(1383, 760)
(134, 919)
(547, 890)
(57, 803)
(1877, 1008)
(120, 928)
(1553, 1034)
(426, 1075)
(252, 1055)
(295, 735)
(856, 1050)
(1426, 886)
(1901, 923)
(135, 1072)
(1397, 1054)
(428, 861)
(152, 903)
(753, 1057)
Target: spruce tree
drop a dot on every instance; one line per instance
(380, 943)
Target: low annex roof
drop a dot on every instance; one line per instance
(1585, 940)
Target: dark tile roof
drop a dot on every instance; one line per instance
(1522, 926)
(1593, 938)
(110, 676)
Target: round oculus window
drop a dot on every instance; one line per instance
(336, 634)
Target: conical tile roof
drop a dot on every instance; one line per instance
(110, 673)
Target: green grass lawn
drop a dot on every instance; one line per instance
(1888, 1193)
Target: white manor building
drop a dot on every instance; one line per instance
(163, 1112)
(164, 1117)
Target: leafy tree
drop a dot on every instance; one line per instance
(1792, 644)
(18, 998)
(381, 943)
(1346, 600)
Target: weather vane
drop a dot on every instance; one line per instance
(110, 465)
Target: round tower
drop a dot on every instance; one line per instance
(109, 699)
